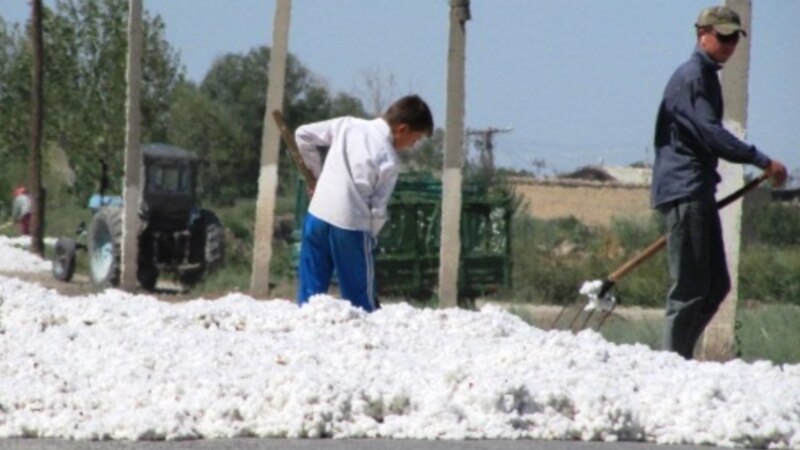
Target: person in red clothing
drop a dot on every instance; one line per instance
(21, 212)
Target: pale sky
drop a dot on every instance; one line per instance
(577, 81)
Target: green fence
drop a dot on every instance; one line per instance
(407, 257)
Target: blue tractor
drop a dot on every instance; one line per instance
(176, 235)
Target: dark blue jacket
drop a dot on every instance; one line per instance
(689, 136)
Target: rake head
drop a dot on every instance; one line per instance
(599, 298)
(599, 295)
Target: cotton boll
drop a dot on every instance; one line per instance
(591, 290)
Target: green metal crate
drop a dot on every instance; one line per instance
(407, 257)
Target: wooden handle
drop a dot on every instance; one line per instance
(294, 152)
(644, 255)
(659, 243)
(741, 191)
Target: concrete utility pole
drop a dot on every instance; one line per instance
(450, 248)
(485, 142)
(719, 341)
(133, 157)
(270, 144)
(37, 121)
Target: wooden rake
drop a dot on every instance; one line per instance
(294, 152)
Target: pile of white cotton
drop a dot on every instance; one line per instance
(121, 366)
(15, 257)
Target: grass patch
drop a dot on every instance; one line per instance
(770, 273)
(770, 332)
(646, 331)
(763, 331)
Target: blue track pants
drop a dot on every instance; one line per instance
(326, 247)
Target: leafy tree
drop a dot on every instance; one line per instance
(197, 123)
(428, 156)
(14, 110)
(235, 100)
(15, 78)
(85, 66)
(344, 104)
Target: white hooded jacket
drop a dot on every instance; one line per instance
(359, 173)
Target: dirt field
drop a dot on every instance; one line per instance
(591, 203)
(80, 285)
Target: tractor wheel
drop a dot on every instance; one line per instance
(64, 259)
(215, 241)
(105, 239)
(147, 274)
(191, 277)
(207, 248)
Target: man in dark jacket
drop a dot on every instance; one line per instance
(689, 140)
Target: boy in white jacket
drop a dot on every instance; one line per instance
(348, 206)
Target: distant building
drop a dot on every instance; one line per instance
(612, 174)
(786, 195)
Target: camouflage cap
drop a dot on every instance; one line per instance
(724, 20)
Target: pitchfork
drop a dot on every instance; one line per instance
(599, 292)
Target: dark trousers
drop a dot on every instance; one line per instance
(25, 225)
(698, 269)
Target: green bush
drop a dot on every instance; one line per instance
(770, 274)
(637, 234)
(552, 259)
(548, 259)
(769, 332)
(763, 331)
(778, 225)
(647, 284)
(239, 227)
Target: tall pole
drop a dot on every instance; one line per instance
(485, 142)
(450, 249)
(719, 341)
(133, 159)
(37, 120)
(270, 144)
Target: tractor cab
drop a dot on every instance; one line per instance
(169, 191)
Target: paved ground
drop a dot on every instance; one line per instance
(345, 444)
